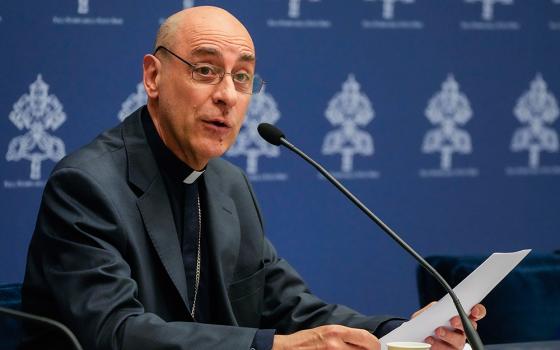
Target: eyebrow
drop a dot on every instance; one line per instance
(247, 57)
(210, 51)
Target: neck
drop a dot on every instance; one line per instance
(192, 162)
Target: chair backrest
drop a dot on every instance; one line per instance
(10, 328)
(10, 296)
(524, 307)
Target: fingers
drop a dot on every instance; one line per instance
(362, 338)
(352, 336)
(423, 309)
(453, 338)
(328, 337)
(478, 312)
(446, 338)
(457, 324)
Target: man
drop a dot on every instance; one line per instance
(147, 240)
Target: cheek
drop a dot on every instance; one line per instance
(242, 114)
(236, 131)
(236, 128)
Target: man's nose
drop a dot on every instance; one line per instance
(225, 92)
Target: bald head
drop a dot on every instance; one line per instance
(199, 120)
(177, 27)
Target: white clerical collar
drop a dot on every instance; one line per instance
(193, 176)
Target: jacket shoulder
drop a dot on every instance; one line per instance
(224, 167)
(226, 173)
(96, 152)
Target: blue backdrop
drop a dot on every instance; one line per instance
(441, 115)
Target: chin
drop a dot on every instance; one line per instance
(215, 151)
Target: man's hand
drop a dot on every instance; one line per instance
(327, 338)
(452, 338)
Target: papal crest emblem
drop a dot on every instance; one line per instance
(349, 110)
(37, 112)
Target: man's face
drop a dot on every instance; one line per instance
(198, 121)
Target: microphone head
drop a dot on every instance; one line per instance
(270, 133)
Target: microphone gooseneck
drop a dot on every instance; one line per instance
(276, 137)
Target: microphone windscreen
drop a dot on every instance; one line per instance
(270, 133)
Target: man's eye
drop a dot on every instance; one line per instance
(243, 78)
(205, 71)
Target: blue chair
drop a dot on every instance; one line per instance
(524, 307)
(10, 296)
(10, 327)
(13, 329)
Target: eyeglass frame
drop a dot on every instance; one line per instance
(254, 77)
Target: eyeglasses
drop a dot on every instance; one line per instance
(209, 74)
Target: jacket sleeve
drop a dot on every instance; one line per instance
(289, 306)
(77, 275)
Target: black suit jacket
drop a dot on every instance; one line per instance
(105, 258)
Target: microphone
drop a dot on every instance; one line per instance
(276, 137)
(45, 321)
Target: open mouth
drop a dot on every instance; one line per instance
(218, 123)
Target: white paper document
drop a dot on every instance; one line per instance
(470, 292)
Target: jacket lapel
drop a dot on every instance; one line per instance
(224, 237)
(153, 203)
(158, 220)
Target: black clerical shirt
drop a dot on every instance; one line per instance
(183, 201)
(173, 172)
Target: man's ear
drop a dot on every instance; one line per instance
(151, 66)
